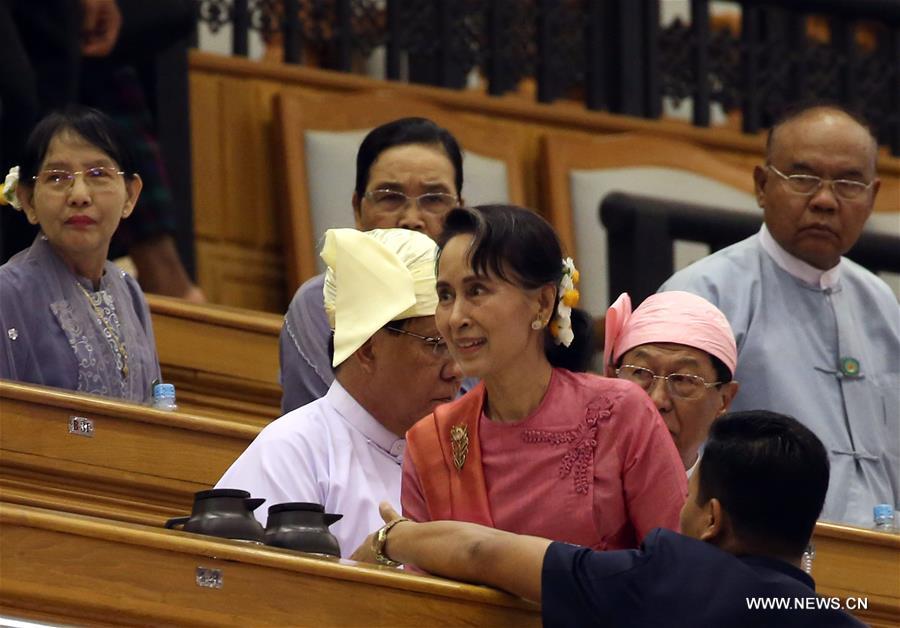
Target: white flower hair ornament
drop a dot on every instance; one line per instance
(8, 196)
(561, 325)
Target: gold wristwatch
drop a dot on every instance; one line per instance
(380, 539)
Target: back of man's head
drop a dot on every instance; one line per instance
(770, 473)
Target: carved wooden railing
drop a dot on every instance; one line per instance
(615, 55)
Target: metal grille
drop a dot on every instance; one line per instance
(443, 41)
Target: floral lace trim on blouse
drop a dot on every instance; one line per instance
(91, 370)
(581, 443)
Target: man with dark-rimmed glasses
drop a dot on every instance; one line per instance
(818, 336)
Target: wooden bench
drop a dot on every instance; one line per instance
(73, 568)
(70, 568)
(133, 463)
(142, 465)
(223, 361)
(857, 563)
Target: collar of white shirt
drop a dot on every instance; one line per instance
(694, 466)
(824, 279)
(359, 419)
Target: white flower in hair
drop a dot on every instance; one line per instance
(566, 336)
(561, 327)
(9, 188)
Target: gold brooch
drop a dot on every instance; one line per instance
(459, 442)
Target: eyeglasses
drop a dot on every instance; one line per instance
(808, 184)
(681, 385)
(437, 343)
(99, 177)
(394, 200)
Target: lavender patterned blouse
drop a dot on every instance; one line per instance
(56, 330)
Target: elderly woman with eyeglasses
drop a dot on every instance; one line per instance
(679, 348)
(68, 317)
(535, 448)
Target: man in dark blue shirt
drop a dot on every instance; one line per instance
(750, 512)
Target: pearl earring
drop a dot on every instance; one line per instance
(537, 324)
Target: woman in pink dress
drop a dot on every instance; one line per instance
(533, 448)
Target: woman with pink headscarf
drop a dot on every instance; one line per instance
(680, 349)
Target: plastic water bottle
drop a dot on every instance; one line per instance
(884, 518)
(164, 397)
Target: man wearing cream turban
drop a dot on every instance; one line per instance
(344, 450)
(679, 348)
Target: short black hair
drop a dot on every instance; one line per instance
(770, 474)
(403, 132)
(801, 108)
(92, 125)
(518, 246)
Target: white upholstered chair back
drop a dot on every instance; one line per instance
(589, 187)
(581, 171)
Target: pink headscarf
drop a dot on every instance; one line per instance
(679, 317)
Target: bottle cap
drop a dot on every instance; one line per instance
(164, 391)
(883, 510)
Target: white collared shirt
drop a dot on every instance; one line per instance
(331, 452)
(796, 267)
(693, 467)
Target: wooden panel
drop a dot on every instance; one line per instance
(69, 568)
(140, 464)
(226, 345)
(251, 338)
(853, 562)
(219, 358)
(562, 153)
(248, 208)
(207, 159)
(241, 275)
(296, 113)
(199, 395)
